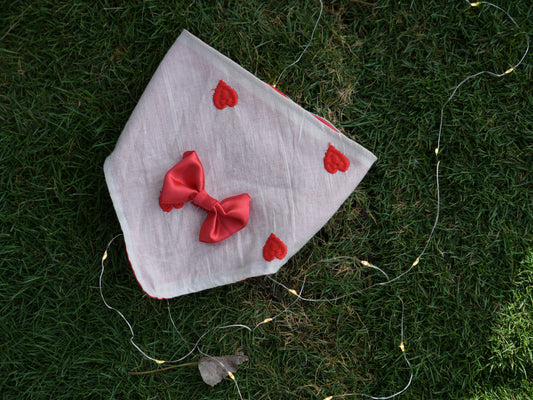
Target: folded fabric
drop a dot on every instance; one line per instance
(218, 177)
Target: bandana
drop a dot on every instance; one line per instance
(218, 177)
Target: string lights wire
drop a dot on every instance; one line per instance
(195, 347)
(437, 151)
(305, 48)
(104, 257)
(411, 372)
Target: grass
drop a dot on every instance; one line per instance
(72, 72)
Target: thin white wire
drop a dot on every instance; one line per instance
(384, 397)
(270, 319)
(114, 309)
(490, 73)
(174, 324)
(126, 320)
(411, 371)
(299, 295)
(437, 175)
(196, 346)
(305, 48)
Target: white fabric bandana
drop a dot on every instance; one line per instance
(296, 169)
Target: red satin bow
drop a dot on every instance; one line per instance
(185, 182)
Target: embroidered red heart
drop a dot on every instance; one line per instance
(335, 161)
(274, 248)
(224, 96)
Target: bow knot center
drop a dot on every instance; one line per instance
(204, 201)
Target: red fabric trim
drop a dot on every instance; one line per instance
(323, 120)
(135, 276)
(326, 122)
(277, 90)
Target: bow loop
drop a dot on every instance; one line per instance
(185, 182)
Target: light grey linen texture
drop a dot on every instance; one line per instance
(266, 146)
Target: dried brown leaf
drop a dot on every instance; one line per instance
(214, 369)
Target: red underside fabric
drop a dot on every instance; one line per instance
(185, 182)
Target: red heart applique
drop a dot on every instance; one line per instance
(335, 161)
(224, 96)
(274, 248)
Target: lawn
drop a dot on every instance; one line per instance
(71, 72)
